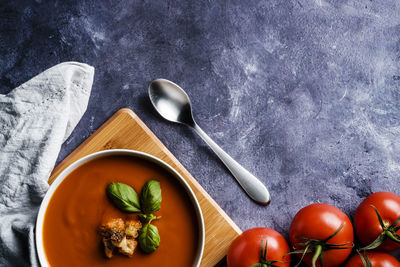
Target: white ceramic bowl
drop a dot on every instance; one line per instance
(113, 152)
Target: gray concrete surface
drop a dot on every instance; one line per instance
(304, 93)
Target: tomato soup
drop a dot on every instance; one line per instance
(80, 204)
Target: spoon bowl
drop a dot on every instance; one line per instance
(173, 104)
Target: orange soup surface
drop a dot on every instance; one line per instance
(80, 205)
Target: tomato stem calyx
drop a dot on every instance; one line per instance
(318, 247)
(263, 257)
(387, 232)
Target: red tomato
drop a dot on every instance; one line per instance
(245, 249)
(366, 221)
(378, 259)
(318, 222)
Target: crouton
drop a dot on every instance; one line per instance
(117, 234)
(132, 228)
(127, 247)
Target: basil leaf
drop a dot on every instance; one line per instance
(124, 197)
(150, 198)
(149, 239)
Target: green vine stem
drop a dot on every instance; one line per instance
(387, 232)
(392, 236)
(318, 247)
(365, 259)
(317, 255)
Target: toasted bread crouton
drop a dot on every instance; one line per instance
(117, 224)
(132, 228)
(117, 234)
(127, 247)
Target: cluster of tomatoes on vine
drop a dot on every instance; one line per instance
(322, 235)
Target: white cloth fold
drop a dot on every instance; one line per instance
(35, 119)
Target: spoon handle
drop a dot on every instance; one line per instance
(251, 184)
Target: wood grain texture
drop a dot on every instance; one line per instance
(125, 130)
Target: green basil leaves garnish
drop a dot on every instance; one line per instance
(150, 198)
(124, 197)
(149, 239)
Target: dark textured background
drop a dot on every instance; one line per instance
(304, 93)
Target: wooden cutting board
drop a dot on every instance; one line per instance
(125, 130)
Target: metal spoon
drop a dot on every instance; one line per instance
(174, 105)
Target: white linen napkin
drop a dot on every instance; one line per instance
(35, 119)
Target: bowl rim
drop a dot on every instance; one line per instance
(73, 166)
